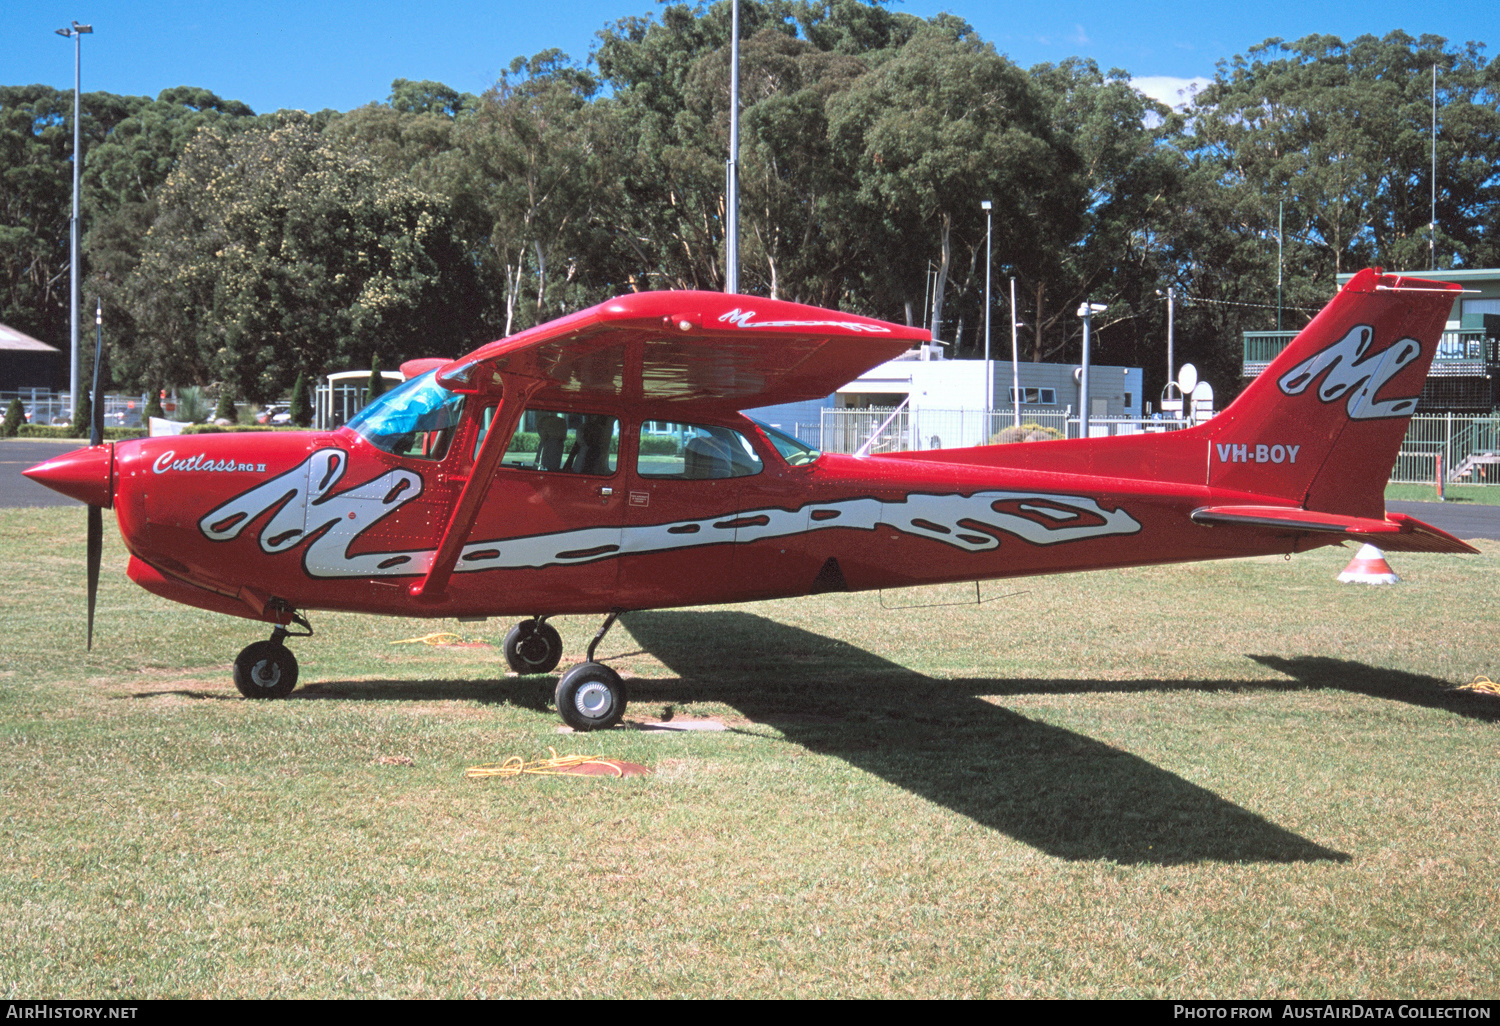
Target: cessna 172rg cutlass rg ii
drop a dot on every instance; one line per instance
(600, 463)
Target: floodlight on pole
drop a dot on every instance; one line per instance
(1086, 311)
(989, 366)
(76, 32)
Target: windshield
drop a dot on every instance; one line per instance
(796, 452)
(416, 419)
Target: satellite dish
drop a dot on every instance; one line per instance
(1187, 378)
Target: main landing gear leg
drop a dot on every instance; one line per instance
(591, 696)
(267, 669)
(533, 646)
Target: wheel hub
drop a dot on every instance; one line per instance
(265, 673)
(533, 648)
(593, 700)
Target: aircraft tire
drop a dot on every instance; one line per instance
(265, 669)
(532, 647)
(591, 696)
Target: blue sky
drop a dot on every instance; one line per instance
(342, 54)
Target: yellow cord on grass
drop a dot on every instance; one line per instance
(1481, 684)
(553, 767)
(436, 638)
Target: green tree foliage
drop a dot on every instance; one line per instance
(153, 403)
(224, 409)
(531, 171)
(36, 147)
(254, 250)
(375, 387)
(82, 414)
(1338, 134)
(301, 408)
(15, 416)
(276, 251)
(1341, 133)
(429, 98)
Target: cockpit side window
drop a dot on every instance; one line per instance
(565, 443)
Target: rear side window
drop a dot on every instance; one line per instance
(694, 452)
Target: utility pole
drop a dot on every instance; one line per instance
(989, 366)
(1279, 205)
(732, 186)
(1432, 228)
(1015, 354)
(1171, 297)
(76, 33)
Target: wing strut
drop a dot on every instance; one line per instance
(517, 391)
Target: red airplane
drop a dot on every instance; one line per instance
(599, 463)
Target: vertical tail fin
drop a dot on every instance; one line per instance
(1322, 425)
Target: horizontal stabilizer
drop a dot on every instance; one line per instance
(1397, 532)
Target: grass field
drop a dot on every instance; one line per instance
(1239, 779)
(1482, 495)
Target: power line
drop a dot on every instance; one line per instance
(1260, 306)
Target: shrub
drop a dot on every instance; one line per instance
(301, 409)
(111, 434)
(15, 416)
(225, 408)
(1025, 433)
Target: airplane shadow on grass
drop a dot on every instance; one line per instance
(1061, 792)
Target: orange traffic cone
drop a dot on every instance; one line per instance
(1368, 567)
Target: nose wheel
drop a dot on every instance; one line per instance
(591, 696)
(267, 669)
(533, 646)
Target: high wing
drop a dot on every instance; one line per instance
(689, 351)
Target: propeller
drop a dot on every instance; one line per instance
(96, 437)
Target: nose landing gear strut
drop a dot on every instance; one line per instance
(267, 669)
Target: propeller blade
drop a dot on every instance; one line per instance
(96, 553)
(96, 433)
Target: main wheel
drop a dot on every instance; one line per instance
(591, 696)
(532, 647)
(266, 669)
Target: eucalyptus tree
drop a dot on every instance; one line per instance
(277, 252)
(942, 124)
(1339, 135)
(531, 167)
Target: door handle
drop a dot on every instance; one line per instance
(606, 491)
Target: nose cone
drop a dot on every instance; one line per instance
(83, 474)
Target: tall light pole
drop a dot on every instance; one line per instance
(1086, 311)
(76, 32)
(989, 366)
(732, 170)
(1432, 228)
(1171, 306)
(1015, 354)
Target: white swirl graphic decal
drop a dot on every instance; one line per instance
(306, 507)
